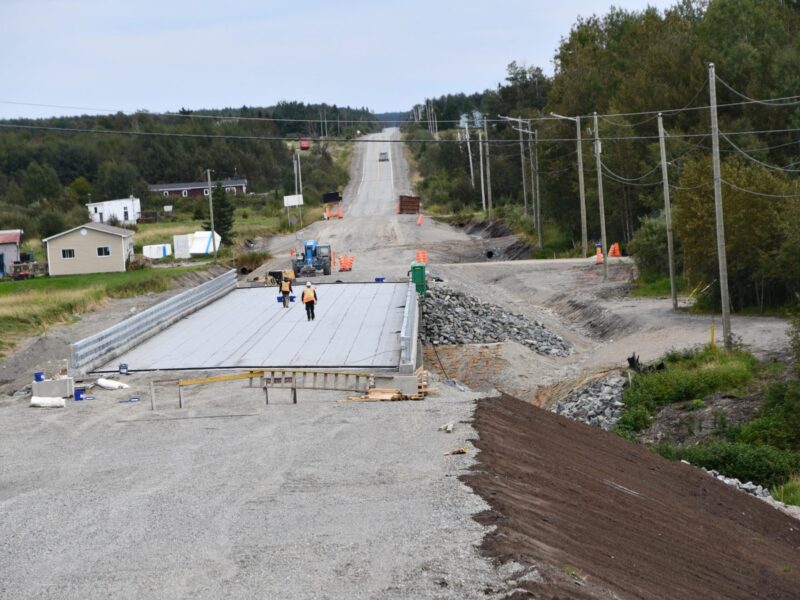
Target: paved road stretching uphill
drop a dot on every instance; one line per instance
(231, 498)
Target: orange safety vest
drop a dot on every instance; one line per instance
(286, 286)
(308, 295)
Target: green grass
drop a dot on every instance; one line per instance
(688, 376)
(764, 465)
(789, 492)
(31, 306)
(766, 450)
(658, 288)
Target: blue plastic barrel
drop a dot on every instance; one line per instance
(38, 376)
(379, 279)
(79, 394)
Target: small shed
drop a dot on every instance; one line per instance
(9, 248)
(89, 248)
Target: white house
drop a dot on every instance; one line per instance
(126, 210)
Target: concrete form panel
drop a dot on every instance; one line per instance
(356, 325)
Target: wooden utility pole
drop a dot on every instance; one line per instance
(723, 259)
(584, 234)
(469, 152)
(667, 213)
(522, 171)
(488, 168)
(480, 153)
(597, 150)
(211, 214)
(535, 189)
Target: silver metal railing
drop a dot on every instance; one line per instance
(109, 343)
(408, 331)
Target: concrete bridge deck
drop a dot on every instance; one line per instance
(356, 325)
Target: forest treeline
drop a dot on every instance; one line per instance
(627, 66)
(49, 168)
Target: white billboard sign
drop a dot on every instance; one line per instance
(296, 200)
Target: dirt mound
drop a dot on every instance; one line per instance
(489, 229)
(600, 517)
(591, 317)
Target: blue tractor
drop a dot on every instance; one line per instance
(313, 257)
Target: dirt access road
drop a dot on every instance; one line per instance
(229, 498)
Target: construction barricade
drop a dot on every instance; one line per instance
(346, 263)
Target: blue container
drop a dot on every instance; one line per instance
(79, 394)
(38, 376)
(379, 279)
(280, 299)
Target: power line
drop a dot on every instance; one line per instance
(769, 102)
(755, 160)
(655, 116)
(754, 193)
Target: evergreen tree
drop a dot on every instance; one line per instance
(223, 215)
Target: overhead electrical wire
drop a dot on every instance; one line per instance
(768, 102)
(755, 160)
(762, 194)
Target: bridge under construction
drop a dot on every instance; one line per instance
(357, 325)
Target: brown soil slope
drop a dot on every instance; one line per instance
(602, 517)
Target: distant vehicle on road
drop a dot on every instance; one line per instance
(312, 257)
(383, 157)
(305, 143)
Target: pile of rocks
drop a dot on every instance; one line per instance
(598, 404)
(450, 317)
(749, 487)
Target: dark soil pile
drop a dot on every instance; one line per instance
(599, 516)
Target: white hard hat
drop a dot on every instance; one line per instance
(308, 284)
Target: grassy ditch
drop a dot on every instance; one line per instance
(31, 306)
(765, 449)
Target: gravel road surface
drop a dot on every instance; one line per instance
(231, 498)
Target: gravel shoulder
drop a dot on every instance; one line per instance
(231, 498)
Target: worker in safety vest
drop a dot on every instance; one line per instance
(309, 299)
(286, 289)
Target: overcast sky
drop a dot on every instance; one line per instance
(168, 54)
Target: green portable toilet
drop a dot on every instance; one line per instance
(418, 277)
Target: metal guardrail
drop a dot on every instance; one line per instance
(109, 343)
(408, 332)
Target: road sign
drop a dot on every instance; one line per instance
(294, 200)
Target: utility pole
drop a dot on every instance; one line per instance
(488, 168)
(584, 235)
(294, 165)
(723, 259)
(480, 152)
(597, 150)
(522, 167)
(667, 213)
(535, 188)
(522, 170)
(211, 214)
(469, 152)
(534, 193)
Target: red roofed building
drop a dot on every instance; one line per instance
(9, 248)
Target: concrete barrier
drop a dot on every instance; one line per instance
(106, 345)
(410, 357)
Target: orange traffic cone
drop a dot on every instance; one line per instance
(419, 219)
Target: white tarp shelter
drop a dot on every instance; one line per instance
(202, 244)
(157, 250)
(182, 244)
